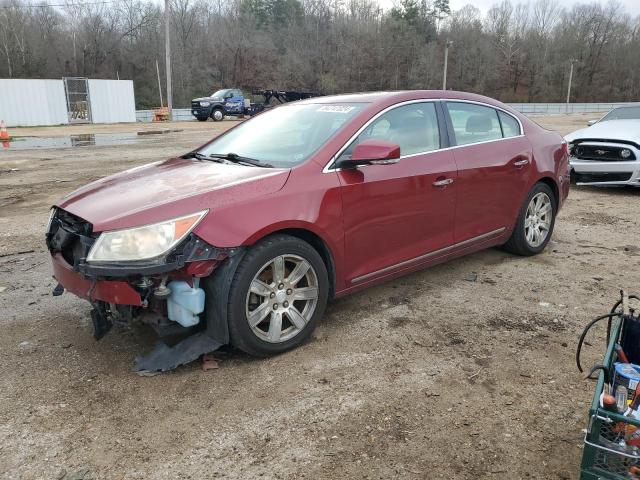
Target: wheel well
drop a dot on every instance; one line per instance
(552, 185)
(321, 247)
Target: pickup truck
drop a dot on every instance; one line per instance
(228, 101)
(231, 101)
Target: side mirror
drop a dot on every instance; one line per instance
(592, 122)
(372, 152)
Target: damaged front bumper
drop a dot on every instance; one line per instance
(164, 293)
(110, 291)
(592, 172)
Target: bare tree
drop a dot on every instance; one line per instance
(516, 52)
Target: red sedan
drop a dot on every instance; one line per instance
(245, 239)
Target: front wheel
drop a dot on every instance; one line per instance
(278, 295)
(535, 222)
(217, 115)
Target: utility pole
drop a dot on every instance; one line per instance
(167, 48)
(446, 59)
(159, 84)
(75, 60)
(569, 87)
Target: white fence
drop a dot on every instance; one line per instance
(183, 114)
(112, 101)
(554, 108)
(27, 102)
(32, 102)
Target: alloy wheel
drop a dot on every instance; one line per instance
(282, 298)
(218, 115)
(537, 221)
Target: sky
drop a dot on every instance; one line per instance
(631, 6)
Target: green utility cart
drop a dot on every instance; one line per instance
(604, 456)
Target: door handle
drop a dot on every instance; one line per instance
(521, 163)
(443, 182)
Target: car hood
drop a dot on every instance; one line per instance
(609, 130)
(163, 190)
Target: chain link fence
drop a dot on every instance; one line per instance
(560, 108)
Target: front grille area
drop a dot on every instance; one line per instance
(600, 177)
(70, 235)
(596, 152)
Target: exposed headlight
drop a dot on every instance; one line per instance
(205, 104)
(143, 243)
(625, 153)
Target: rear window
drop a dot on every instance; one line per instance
(510, 126)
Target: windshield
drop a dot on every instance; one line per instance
(623, 113)
(221, 93)
(284, 136)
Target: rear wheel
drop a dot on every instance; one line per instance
(277, 297)
(535, 222)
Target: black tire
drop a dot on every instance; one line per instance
(202, 119)
(241, 334)
(213, 114)
(518, 242)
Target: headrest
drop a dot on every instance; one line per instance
(479, 124)
(412, 123)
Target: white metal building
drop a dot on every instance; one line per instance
(26, 102)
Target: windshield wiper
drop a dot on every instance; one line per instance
(235, 158)
(200, 156)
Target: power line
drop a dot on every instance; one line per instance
(46, 5)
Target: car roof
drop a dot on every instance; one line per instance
(383, 99)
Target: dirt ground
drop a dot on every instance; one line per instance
(462, 371)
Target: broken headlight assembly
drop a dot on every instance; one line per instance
(52, 213)
(143, 243)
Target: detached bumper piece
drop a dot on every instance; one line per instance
(164, 358)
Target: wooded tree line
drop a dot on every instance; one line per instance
(515, 52)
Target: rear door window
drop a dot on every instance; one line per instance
(473, 123)
(510, 126)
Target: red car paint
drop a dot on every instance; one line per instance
(377, 222)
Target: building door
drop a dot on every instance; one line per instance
(76, 90)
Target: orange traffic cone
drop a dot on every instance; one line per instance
(4, 135)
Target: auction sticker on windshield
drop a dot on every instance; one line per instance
(336, 108)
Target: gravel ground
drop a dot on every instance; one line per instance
(464, 370)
